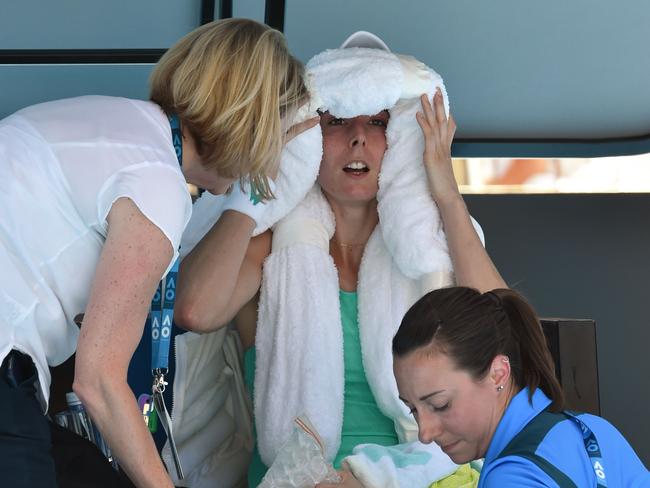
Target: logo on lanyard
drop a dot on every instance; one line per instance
(593, 450)
(177, 137)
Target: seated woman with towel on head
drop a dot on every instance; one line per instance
(345, 260)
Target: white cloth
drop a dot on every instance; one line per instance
(212, 415)
(398, 466)
(355, 81)
(62, 165)
(299, 352)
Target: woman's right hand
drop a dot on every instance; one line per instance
(438, 134)
(300, 127)
(294, 131)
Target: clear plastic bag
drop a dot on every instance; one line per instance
(301, 461)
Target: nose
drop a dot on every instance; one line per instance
(429, 428)
(358, 135)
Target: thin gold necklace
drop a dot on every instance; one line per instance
(343, 244)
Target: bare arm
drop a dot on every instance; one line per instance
(221, 274)
(472, 264)
(134, 257)
(246, 322)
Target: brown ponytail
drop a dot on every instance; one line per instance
(472, 328)
(535, 367)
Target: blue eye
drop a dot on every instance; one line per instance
(378, 122)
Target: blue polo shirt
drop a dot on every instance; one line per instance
(563, 447)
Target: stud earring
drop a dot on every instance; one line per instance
(499, 388)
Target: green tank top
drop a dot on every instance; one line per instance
(363, 422)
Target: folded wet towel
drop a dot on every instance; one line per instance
(300, 161)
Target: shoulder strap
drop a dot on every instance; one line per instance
(525, 443)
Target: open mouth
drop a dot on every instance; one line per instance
(356, 167)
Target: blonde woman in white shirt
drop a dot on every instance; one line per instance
(93, 203)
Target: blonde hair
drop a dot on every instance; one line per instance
(230, 82)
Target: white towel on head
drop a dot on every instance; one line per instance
(347, 87)
(350, 82)
(355, 81)
(411, 223)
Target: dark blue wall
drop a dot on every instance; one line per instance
(585, 256)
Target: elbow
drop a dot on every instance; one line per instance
(89, 391)
(190, 317)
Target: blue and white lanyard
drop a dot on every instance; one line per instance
(593, 450)
(161, 314)
(177, 138)
(161, 317)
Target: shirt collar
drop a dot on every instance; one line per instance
(516, 417)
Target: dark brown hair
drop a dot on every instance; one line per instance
(472, 328)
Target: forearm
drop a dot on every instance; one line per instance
(472, 264)
(113, 408)
(209, 274)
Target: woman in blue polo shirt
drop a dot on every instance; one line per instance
(476, 372)
(472, 364)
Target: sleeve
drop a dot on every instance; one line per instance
(205, 212)
(515, 471)
(160, 193)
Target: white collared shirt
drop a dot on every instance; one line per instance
(62, 165)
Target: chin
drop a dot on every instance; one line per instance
(460, 455)
(362, 195)
(461, 458)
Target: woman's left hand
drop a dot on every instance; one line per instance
(438, 134)
(472, 265)
(348, 480)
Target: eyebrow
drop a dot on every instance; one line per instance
(423, 398)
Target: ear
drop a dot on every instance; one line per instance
(500, 371)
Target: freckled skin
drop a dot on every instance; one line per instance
(134, 257)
